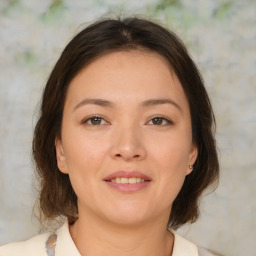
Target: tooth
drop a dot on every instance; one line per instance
(132, 180)
(138, 180)
(124, 180)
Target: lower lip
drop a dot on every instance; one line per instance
(128, 188)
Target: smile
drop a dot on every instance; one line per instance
(123, 180)
(127, 181)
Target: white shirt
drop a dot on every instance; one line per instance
(61, 242)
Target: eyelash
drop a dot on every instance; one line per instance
(91, 118)
(168, 122)
(163, 119)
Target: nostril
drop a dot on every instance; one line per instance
(135, 156)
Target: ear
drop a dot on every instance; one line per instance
(60, 156)
(192, 158)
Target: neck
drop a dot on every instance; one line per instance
(95, 237)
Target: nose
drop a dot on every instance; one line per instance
(128, 144)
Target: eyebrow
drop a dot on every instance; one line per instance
(146, 103)
(153, 102)
(99, 102)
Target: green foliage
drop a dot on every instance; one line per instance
(9, 6)
(27, 58)
(163, 4)
(55, 12)
(174, 13)
(222, 10)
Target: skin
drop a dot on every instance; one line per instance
(126, 137)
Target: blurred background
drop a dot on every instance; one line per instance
(221, 37)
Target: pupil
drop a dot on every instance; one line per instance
(157, 121)
(96, 120)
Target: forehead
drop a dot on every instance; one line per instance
(128, 61)
(134, 74)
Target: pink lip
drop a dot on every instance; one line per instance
(127, 174)
(127, 188)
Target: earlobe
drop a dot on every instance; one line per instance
(60, 156)
(192, 158)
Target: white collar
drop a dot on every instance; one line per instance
(183, 247)
(65, 245)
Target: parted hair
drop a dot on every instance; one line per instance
(57, 197)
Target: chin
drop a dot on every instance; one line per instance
(128, 215)
(129, 220)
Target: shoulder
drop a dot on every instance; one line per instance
(182, 246)
(32, 246)
(186, 248)
(57, 243)
(204, 252)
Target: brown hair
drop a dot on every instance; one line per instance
(57, 197)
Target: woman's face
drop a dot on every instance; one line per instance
(126, 139)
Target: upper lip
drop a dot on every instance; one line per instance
(127, 174)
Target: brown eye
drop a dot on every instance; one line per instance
(157, 121)
(95, 120)
(160, 121)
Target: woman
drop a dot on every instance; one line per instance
(124, 145)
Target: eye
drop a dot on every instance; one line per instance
(95, 120)
(160, 121)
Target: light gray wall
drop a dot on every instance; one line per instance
(221, 36)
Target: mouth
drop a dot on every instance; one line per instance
(127, 181)
(123, 180)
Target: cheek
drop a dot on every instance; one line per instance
(83, 151)
(172, 151)
(170, 158)
(84, 157)
(83, 160)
